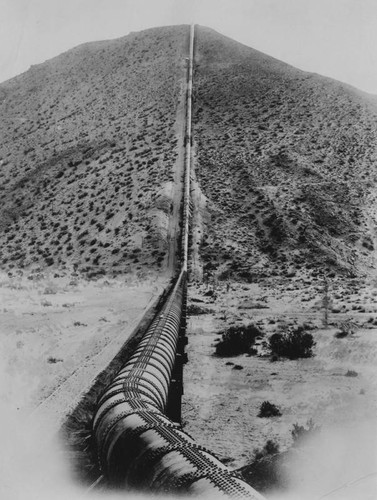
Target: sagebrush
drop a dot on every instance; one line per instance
(293, 343)
(238, 340)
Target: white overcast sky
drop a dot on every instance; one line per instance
(336, 38)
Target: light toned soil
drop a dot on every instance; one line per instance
(58, 333)
(221, 402)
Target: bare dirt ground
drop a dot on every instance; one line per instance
(59, 331)
(337, 388)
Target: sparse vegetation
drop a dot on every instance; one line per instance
(293, 343)
(300, 433)
(237, 340)
(270, 448)
(346, 327)
(58, 192)
(282, 186)
(267, 471)
(195, 310)
(268, 410)
(53, 360)
(264, 472)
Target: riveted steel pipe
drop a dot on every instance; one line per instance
(138, 445)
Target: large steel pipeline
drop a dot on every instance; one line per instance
(138, 446)
(187, 180)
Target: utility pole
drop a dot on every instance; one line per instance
(326, 303)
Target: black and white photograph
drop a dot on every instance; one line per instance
(188, 249)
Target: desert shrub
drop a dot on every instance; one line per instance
(270, 448)
(347, 327)
(309, 326)
(264, 471)
(53, 360)
(267, 470)
(248, 276)
(195, 310)
(237, 340)
(293, 343)
(301, 432)
(268, 410)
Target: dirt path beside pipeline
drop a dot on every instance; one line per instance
(58, 333)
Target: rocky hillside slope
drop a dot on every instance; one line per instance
(88, 150)
(89, 159)
(287, 163)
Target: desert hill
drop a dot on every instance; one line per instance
(88, 155)
(287, 163)
(90, 161)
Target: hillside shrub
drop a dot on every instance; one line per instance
(268, 468)
(264, 471)
(347, 327)
(238, 340)
(294, 343)
(300, 433)
(54, 360)
(195, 310)
(268, 410)
(270, 448)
